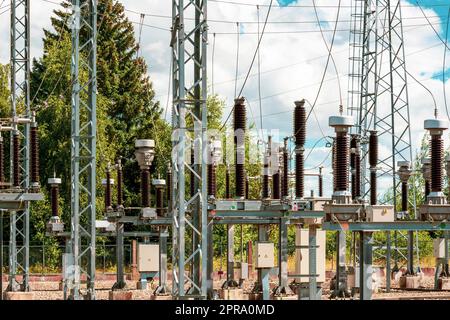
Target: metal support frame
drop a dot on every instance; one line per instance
(83, 145)
(189, 49)
(366, 269)
(162, 288)
(120, 276)
(20, 103)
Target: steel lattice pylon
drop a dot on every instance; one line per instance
(83, 145)
(377, 66)
(189, 51)
(20, 104)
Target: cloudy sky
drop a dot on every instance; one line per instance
(292, 56)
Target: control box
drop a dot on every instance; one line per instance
(264, 254)
(148, 257)
(380, 213)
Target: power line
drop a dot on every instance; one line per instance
(237, 60)
(429, 23)
(444, 66)
(253, 60)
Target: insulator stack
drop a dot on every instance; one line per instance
(300, 138)
(169, 187)
(358, 174)
(16, 160)
(54, 192)
(300, 123)
(353, 165)
(2, 163)
(285, 179)
(160, 201)
(342, 160)
(34, 144)
(437, 157)
(212, 180)
(404, 196)
(119, 184)
(373, 160)
(145, 187)
(299, 177)
(108, 190)
(227, 184)
(320, 182)
(265, 185)
(239, 141)
(333, 163)
(276, 185)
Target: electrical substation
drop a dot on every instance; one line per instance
(173, 225)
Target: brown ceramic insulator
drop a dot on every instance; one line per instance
(437, 153)
(54, 199)
(2, 164)
(211, 180)
(285, 179)
(300, 123)
(353, 186)
(119, 186)
(265, 184)
(34, 144)
(227, 184)
(169, 188)
(239, 128)
(373, 188)
(404, 196)
(352, 165)
(276, 185)
(108, 190)
(373, 149)
(342, 161)
(427, 188)
(333, 163)
(145, 187)
(16, 164)
(320, 185)
(357, 175)
(160, 201)
(299, 175)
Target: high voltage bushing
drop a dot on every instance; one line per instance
(54, 225)
(276, 192)
(145, 152)
(266, 170)
(352, 165)
(247, 187)
(333, 163)
(447, 168)
(285, 179)
(436, 128)
(426, 173)
(341, 125)
(240, 121)
(119, 183)
(300, 138)
(16, 159)
(373, 160)
(34, 161)
(404, 172)
(159, 185)
(320, 182)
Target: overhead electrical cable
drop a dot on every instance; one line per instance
(431, 25)
(444, 66)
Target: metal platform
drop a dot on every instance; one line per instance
(16, 201)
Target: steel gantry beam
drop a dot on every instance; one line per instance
(83, 146)
(189, 48)
(20, 105)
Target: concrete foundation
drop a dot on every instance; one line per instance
(19, 295)
(120, 295)
(231, 294)
(444, 283)
(161, 297)
(409, 282)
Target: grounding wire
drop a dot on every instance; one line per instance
(259, 79)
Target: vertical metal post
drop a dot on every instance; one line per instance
(189, 44)
(283, 287)
(120, 282)
(83, 143)
(162, 288)
(366, 270)
(312, 262)
(230, 257)
(388, 261)
(20, 97)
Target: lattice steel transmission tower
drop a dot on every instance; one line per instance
(83, 145)
(377, 67)
(189, 54)
(20, 106)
